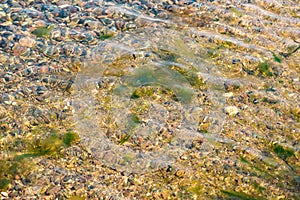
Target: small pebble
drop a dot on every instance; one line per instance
(5, 194)
(27, 42)
(231, 110)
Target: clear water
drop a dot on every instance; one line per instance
(158, 78)
(223, 73)
(187, 59)
(200, 97)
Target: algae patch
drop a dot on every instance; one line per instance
(163, 77)
(277, 58)
(264, 69)
(23, 162)
(43, 31)
(283, 153)
(69, 138)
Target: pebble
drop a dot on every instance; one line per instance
(231, 110)
(27, 42)
(4, 194)
(78, 28)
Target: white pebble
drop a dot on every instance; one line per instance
(231, 110)
(5, 194)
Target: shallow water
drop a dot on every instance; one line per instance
(158, 76)
(225, 68)
(205, 89)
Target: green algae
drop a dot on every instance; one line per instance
(244, 160)
(197, 189)
(237, 12)
(4, 183)
(291, 50)
(283, 153)
(296, 113)
(132, 123)
(264, 69)
(125, 138)
(25, 156)
(277, 58)
(227, 44)
(105, 36)
(48, 146)
(142, 92)
(270, 101)
(134, 118)
(51, 145)
(167, 55)
(43, 31)
(212, 53)
(190, 76)
(22, 163)
(164, 78)
(69, 138)
(257, 166)
(128, 158)
(259, 188)
(5, 175)
(10, 167)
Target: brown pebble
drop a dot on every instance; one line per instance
(223, 30)
(17, 177)
(18, 50)
(27, 42)
(180, 173)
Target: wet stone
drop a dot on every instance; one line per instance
(4, 194)
(231, 110)
(27, 42)
(35, 59)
